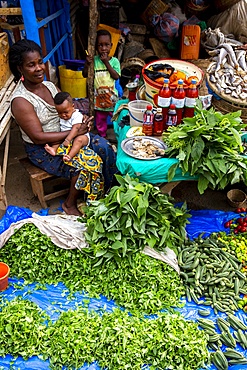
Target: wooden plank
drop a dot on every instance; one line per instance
(93, 21)
(10, 11)
(159, 48)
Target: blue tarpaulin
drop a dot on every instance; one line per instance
(55, 298)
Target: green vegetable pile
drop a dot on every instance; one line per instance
(208, 145)
(209, 271)
(22, 328)
(132, 216)
(143, 284)
(115, 340)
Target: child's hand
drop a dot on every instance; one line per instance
(66, 142)
(104, 57)
(89, 59)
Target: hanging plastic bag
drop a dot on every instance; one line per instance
(165, 26)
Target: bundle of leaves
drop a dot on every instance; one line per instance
(120, 341)
(143, 284)
(208, 146)
(132, 216)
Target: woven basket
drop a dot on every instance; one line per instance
(226, 107)
(222, 5)
(194, 9)
(236, 197)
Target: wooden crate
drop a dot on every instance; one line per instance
(155, 7)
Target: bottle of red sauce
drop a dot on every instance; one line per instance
(190, 99)
(158, 126)
(178, 99)
(164, 98)
(148, 117)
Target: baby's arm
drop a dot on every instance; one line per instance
(72, 134)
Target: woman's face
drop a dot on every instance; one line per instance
(33, 67)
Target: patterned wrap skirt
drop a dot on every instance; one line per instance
(56, 166)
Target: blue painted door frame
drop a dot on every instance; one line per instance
(54, 16)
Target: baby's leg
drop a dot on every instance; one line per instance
(51, 149)
(78, 142)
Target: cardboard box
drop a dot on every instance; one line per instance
(4, 59)
(155, 7)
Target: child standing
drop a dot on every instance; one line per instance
(106, 71)
(70, 119)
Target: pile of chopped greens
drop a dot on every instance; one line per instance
(132, 216)
(143, 284)
(208, 145)
(115, 340)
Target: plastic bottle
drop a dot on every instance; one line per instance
(190, 99)
(158, 125)
(171, 119)
(133, 87)
(178, 99)
(164, 98)
(148, 117)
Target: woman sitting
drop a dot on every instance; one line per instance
(33, 108)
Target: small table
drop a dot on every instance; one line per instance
(152, 171)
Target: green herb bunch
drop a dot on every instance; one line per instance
(120, 341)
(132, 216)
(208, 145)
(143, 284)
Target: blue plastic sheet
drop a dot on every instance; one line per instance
(56, 297)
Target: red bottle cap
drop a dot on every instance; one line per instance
(173, 106)
(149, 107)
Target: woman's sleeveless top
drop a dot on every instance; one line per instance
(46, 113)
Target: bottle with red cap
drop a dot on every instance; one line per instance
(158, 126)
(148, 117)
(171, 119)
(164, 98)
(178, 99)
(190, 99)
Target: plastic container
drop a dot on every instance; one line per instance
(164, 97)
(136, 111)
(148, 117)
(4, 276)
(190, 42)
(171, 119)
(153, 88)
(178, 99)
(73, 82)
(190, 99)
(158, 125)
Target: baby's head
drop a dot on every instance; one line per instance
(64, 105)
(103, 42)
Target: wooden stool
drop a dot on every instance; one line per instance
(37, 175)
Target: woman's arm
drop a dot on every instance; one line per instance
(28, 120)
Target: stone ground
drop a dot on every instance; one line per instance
(19, 192)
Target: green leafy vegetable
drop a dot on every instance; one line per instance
(132, 216)
(208, 145)
(143, 284)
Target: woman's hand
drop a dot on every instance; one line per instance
(86, 125)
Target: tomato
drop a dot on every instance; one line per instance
(243, 209)
(235, 231)
(244, 224)
(238, 210)
(231, 221)
(240, 221)
(227, 225)
(245, 219)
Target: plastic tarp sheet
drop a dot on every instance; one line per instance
(153, 171)
(56, 297)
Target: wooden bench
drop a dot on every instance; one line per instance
(37, 179)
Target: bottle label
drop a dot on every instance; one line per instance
(164, 102)
(179, 103)
(171, 120)
(190, 102)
